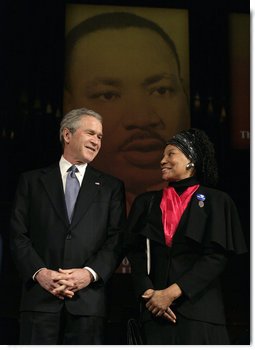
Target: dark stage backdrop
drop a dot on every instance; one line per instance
(212, 40)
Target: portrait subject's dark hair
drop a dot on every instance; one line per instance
(112, 20)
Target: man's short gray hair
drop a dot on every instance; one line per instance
(71, 120)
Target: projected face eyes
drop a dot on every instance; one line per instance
(100, 91)
(106, 96)
(131, 78)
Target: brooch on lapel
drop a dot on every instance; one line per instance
(97, 183)
(201, 199)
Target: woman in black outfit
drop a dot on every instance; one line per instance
(188, 231)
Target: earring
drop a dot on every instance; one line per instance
(190, 165)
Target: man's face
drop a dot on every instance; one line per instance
(130, 77)
(83, 145)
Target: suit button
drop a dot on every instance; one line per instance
(69, 236)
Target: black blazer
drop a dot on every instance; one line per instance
(41, 235)
(203, 241)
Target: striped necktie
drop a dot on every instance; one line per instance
(72, 190)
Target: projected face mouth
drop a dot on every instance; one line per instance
(143, 149)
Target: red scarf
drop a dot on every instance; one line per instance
(172, 206)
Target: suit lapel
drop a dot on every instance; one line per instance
(52, 182)
(91, 184)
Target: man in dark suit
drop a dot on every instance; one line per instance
(65, 258)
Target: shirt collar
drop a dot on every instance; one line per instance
(64, 165)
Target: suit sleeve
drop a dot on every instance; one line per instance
(223, 237)
(25, 256)
(204, 271)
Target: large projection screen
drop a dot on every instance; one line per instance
(125, 69)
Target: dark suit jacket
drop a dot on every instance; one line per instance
(41, 235)
(203, 241)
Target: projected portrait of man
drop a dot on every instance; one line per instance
(127, 68)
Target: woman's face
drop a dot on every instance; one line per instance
(130, 77)
(174, 165)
